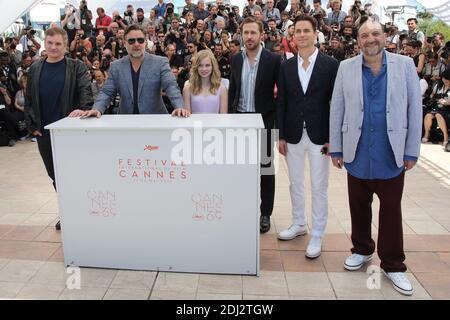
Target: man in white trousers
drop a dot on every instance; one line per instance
(305, 89)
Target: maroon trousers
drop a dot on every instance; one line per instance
(390, 231)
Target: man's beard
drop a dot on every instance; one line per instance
(137, 54)
(373, 51)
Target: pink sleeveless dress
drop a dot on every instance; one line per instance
(206, 104)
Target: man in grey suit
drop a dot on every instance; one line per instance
(139, 79)
(375, 130)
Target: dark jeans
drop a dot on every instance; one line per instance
(390, 231)
(45, 149)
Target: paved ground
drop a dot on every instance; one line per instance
(31, 257)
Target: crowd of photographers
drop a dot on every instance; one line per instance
(179, 36)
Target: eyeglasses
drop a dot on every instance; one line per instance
(133, 40)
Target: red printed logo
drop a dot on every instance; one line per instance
(150, 148)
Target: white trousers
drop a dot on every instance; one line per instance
(319, 170)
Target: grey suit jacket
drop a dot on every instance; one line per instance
(403, 108)
(155, 75)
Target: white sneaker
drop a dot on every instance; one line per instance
(314, 247)
(356, 261)
(400, 282)
(292, 232)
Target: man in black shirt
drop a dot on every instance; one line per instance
(224, 65)
(56, 88)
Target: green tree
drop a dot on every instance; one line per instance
(429, 25)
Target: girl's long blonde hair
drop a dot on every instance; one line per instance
(194, 79)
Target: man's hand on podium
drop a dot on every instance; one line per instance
(180, 112)
(76, 113)
(91, 113)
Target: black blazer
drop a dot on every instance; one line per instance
(295, 107)
(266, 79)
(77, 92)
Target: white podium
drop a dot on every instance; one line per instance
(128, 201)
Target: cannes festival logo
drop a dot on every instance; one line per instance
(150, 148)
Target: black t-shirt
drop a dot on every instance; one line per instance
(135, 79)
(51, 87)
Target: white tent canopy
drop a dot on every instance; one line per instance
(439, 8)
(11, 10)
(14, 9)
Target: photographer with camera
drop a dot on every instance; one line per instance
(225, 42)
(278, 48)
(317, 9)
(120, 50)
(97, 50)
(189, 6)
(192, 47)
(285, 23)
(140, 19)
(160, 47)
(211, 20)
(439, 109)
(433, 69)
(356, 10)
(260, 17)
(161, 9)
(176, 35)
(102, 22)
(14, 53)
(220, 27)
(77, 42)
(272, 35)
(174, 59)
(270, 12)
(233, 20)
(128, 15)
(8, 73)
(107, 59)
(111, 35)
(151, 32)
(335, 49)
(169, 16)
(7, 118)
(29, 42)
(294, 8)
(201, 13)
(289, 42)
(413, 31)
(119, 20)
(222, 10)
(368, 12)
(70, 21)
(348, 41)
(438, 43)
(250, 8)
(222, 60)
(336, 16)
(392, 34)
(413, 50)
(85, 16)
(188, 19)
